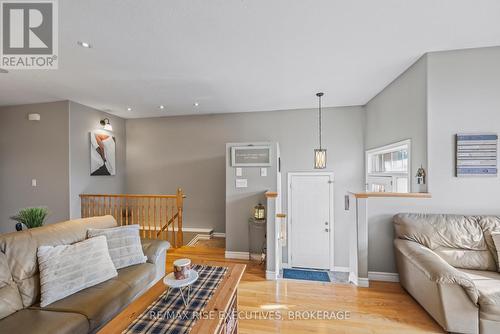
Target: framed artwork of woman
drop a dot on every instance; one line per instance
(102, 153)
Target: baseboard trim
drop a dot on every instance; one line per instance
(237, 255)
(197, 237)
(382, 276)
(363, 282)
(219, 235)
(271, 275)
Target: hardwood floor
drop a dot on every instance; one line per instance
(382, 308)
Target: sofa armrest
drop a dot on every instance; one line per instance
(434, 267)
(154, 249)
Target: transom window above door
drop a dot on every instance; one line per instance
(387, 168)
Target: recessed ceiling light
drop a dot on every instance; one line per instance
(84, 44)
(196, 104)
(3, 71)
(129, 109)
(162, 107)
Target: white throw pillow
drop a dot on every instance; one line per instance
(66, 269)
(124, 244)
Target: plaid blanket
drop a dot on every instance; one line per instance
(169, 315)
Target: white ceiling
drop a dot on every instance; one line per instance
(243, 55)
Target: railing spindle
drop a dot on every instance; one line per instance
(160, 207)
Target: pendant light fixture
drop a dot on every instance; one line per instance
(320, 153)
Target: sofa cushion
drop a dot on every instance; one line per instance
(124, 244)
(138, 277)
(98, 303)
(66, 269)
(488, 286)
(496, 241)
(44, 322)
(104, 301)
(21, 247)
(490, 224)
(10, 299)
(462, 241)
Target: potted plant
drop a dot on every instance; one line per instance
(30, 217)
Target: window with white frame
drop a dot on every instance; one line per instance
(387, 168)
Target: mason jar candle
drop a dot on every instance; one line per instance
(181, 268)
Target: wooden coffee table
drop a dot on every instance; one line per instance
(225, 299)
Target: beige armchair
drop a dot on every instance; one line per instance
(448, 263)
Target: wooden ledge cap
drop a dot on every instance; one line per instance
(387, 194)
(271, 194)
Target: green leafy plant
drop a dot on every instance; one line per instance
(31, 217)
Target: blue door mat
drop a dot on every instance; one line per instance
(308, 275)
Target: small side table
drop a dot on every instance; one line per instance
(257, 224)
(181, 284)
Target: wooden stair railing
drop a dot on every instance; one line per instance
(159, 216)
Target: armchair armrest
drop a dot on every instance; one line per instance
(434, 267)
(155, 249)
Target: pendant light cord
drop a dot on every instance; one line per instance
(320, 95)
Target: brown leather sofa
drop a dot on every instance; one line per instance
(83, 312)
(449, 264)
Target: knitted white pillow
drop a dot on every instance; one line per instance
(66, 269)
(124, 244)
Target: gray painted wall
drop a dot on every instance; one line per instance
(399, 112)
(241, 201)
(164, 153)
(31, 150)
(462, 96)
(82, 120)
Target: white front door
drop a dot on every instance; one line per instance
(311, 220)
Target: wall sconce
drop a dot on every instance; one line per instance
(105, 123)
(421, 174)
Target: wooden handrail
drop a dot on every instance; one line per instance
(159, 216)
(168, 223)
(130, 195)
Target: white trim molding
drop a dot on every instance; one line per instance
(197, 237)
(271, 275)
(218, 235)
(237, 255)
(341, 269)
(363, 282)
(384, 277)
